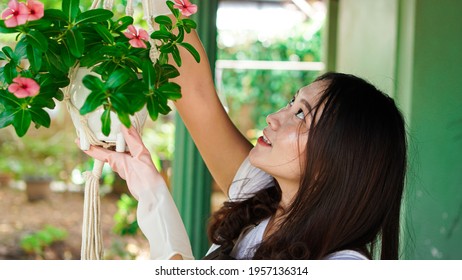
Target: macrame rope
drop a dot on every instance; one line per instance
(95, 4)
(92, 242)
(148, 7)
(108, 4)
(129, 8)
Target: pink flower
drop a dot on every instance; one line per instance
(185, 7)
(136, 37)
(24, 87)
(35, 9)
(16, 14)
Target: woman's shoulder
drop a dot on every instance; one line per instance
(346, 255)
(248, 180)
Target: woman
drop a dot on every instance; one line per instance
(324, 181)
(337, 153)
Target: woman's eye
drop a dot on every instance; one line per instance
(291, 102)
(300, 114)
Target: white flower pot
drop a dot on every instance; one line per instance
(78, 94)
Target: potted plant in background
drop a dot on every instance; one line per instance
(6, 174)
(37, 160)
(126, 69)
(39, 165)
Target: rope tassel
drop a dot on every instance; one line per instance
(92, 243)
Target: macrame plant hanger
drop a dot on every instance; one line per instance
(92, 242)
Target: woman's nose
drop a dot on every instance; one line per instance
(272, 121)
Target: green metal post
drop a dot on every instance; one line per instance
(191, 182)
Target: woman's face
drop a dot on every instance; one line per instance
(280, 151)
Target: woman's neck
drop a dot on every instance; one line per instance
(288, 191)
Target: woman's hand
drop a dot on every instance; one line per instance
(136, 166)
(157, 214)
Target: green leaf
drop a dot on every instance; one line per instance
(167, 48)
(92, 38)
(93, 101)
(21, 122)
(8, 100)
(135, 60)
(53, 60)
(20, 50)
(2, 76)
(123, 23)
(176, 56)
(152, 107)
(163, 58)
(169, 71)
(191, 50)
(175, 11)
(70, 8)
(191, 24)
(180, 36)
(35, 58)
(162, 35)
(66, 56)
(40, 116)
(75, 42)
(149, 74)
(6, 118)
(41, 25)
(96, 15)
(55, 14)
(171, 91)
(106, 122)
(114, 51)
(104, 33)
(4, 29)
(163, 107)
(124, 118)
(8, 51)
(2, 56)
(117, 78)
(59, 95)
(37, 40)
(136, 100)
(165, 20)
(93, 83)
(120, 103)
(10, 72)
(92, 57)
(43, 101)
(51, 82)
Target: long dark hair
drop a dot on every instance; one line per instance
(351, 185)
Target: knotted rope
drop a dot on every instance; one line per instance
(92, 242)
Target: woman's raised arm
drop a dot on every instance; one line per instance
(220, 143)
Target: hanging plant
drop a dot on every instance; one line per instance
(129, 68)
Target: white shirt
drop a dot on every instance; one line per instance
(247, 181)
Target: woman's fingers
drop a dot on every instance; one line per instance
(117, 161)
(99, 153)
(96, 152)
(133, 140)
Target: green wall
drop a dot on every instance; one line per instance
(412, 49)
(436, 125)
